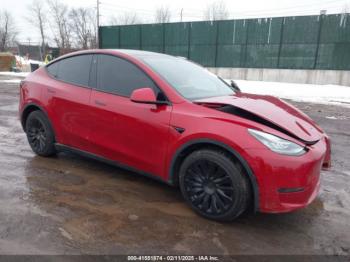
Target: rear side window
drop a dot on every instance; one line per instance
(53, 69)
(118, 76)
(75, 70)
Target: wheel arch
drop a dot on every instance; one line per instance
(29, 108)
(197, 144)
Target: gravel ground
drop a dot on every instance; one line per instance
(71, 205)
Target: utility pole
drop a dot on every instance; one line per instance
(98, 22)
(181, 14)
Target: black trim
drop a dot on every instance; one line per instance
(290, 190)
(247, 168)
(93, 72)
(65, 148)
(179, 129)
(159, 103)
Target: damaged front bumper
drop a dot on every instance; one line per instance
(287, 183)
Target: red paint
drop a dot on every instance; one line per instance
(143, 136)
(143, 95)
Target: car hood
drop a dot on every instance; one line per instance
(271, 110)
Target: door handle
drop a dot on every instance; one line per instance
(99, 103)
(51, 91)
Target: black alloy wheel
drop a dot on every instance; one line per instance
(37, 135)
(214, 185)
(40, 134)
(209, 187)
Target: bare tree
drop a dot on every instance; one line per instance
(127, 18)
(8, 31)
(82, 23)
(37, 17)
(162, 14)
(216, 11)
(60, 24)
(113, 20)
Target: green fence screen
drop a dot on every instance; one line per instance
(301, 42)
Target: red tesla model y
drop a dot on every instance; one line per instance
(173, 120)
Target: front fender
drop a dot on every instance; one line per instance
(206, 141)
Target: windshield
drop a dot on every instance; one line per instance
(190, 80)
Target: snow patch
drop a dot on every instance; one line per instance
(25, 61)
(338, 117)
(322, 94)
(20, 74)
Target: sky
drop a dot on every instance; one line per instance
(192, 10)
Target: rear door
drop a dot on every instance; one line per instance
(67, 95)
(130, 133)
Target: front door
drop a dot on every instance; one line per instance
(132, 134)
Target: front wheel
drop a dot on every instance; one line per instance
(40, 134)
(214, 185)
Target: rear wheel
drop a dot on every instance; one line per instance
(214, 185)
(40, 134)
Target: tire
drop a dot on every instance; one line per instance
(40, 134)
(214, 185)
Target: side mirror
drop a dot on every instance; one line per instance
(235, 86)
(145, 96)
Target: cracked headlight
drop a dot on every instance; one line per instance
(277, 144)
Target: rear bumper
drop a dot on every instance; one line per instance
(287, 183)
